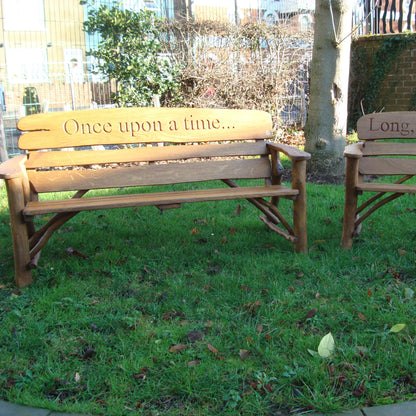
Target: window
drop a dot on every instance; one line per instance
(134, 5)
(27, 65)
(74, 67)
(23, 15)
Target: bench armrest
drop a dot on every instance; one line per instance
(354, 151)
(298, 158)
(13, 168)
(290, 151)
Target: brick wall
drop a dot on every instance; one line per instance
(382, 74)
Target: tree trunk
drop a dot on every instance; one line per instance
(326, 126)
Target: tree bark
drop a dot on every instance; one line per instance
(326, 125)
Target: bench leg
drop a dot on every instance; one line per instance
(350, 207)
(299, 205)
(19, 232)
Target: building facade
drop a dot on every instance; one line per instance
(44, 65)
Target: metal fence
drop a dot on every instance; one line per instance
(385, 16)
(44, 66)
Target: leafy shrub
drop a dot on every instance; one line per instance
(129, 53)
(241, 66)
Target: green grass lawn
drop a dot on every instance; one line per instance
(204, 311)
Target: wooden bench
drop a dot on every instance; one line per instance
(142, 147)
(387, 150)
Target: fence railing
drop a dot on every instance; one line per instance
(385, 16)
(53, 74)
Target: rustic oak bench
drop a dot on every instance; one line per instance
(142, 147)
(387, 150)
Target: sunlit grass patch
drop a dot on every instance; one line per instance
(203, 310)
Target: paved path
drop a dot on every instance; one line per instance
(401, 409)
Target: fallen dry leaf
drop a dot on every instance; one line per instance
(268, 388)
(201, 241)
(167, 316)
(213, 270)
(178, 348)
(309, 315)
(252, 307)
(194, 336)
(244, 354)
(254, 384)
(141, 375)
(212, 349)
(72, 252)
(362, 316)
(397, 328)
(326, 346)
(249, 340)
(268, 246)
(331, 369)
(358, 392)
(193, 363)
(88, 353)
(362, 351)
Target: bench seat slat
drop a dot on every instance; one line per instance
(155, 174)
(387, 166)
(159, 198)
(141, 154)
(387, 187)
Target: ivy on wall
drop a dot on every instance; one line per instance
(386, 60)
(412, 105)
(369, 92)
